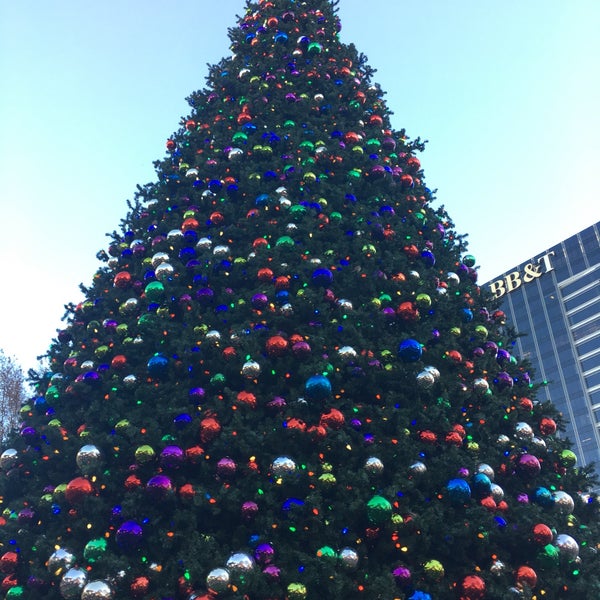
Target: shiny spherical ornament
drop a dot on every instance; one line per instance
(528, 465)
(502, 440)
(567, 546)
(348, 558)
(481, 386)
(538, 445)
(317, 387)
(526, 576)
(497, 568)
(469, 260)
(159, 487)
(159, 258)
(249, 510)
(301, 349)
(379, 510)
(158, 366)
(472, 588)
(139, 587)
(94, 550)
(222, 251)
(548, 426)
(251, 369)
(402, 576)
(523, 431)
(423, 300)
(97, 590)
(213, 337)
(459, 491)
(78, 490)
(88, 459)
(296, 591)
(425, 380)
(497, 492)
(542, 534)
(60, 560)
(410, 350)
(210, 428)
(264, 554)
(239, 564)
(9, 562)
(204, 244)
(283, 466)
(347, 353)
(14, 592)
(434, 570)
(543, 496)
(172, 457)
(9, 459)
(130, 381)
(373, 465)
(226, 468)
(568, 458)
(129, 536)
(322, 277)
(564, 502)
(417, 468)
(144, 454)
(218, 581)
(276, 345)
(72, 583)
(344, 305)
(164, 271)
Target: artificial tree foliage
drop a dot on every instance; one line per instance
(284, 380)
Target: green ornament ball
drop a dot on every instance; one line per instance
(296, 591)
(379, 510)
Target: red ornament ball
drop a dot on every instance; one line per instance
(276, 345)
(119, 361)
(542, 534)
(210, 428)
(407, 311)
(8, 562)
(547, 426)
(334, 419)
(472, 588)
(526, 576)
(139, 587)
(122, 279)
(264, 274)
(78, 490)
(187, 492)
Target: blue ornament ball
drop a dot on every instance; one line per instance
(459, 491)
(318, 387)
(158, 366)
(322, 277)
(410, 350)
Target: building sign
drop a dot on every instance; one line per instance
(514, 280)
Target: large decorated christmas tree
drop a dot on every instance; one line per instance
(284, 381)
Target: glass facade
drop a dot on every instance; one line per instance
(554, 300)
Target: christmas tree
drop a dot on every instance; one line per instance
(284, 381)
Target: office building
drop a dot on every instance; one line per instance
(554, 298)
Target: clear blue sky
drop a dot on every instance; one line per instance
(507, 93)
